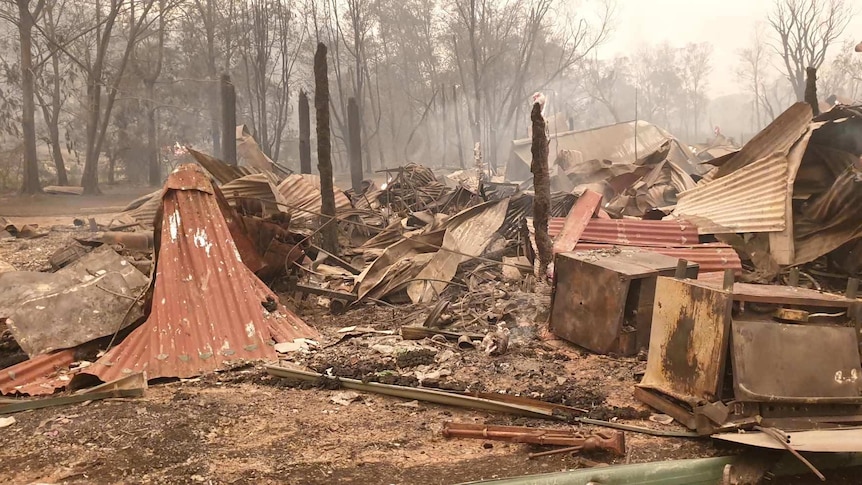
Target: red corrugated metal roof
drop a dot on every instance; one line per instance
(710, 257)
(207, 305)
(632, 232)
(37, 376)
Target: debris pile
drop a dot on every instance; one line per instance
(436, 294)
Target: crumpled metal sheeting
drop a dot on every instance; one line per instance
(141, 210)
(831, 219)
(257, 189)
(38, 376)
(207, 305)
(222, 172)
(776, 138)
(521, 209)
(751, 199)
(301, 193)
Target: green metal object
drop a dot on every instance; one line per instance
(699, 471)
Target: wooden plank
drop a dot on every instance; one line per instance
(784, 295)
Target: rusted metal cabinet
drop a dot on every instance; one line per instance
(603, 300)
(726, 358)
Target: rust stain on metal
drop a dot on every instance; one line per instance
(632, 232)
(576, 222)
(38, 376)
(690, 331)
(207, 305)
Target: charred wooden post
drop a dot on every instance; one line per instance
(542, 188)
(329, 228)
(354, 145)
(228, 120)
(811, 89)
(304, 134)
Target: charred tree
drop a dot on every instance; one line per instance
(304, 134)
(228, 120)
(542, 188)
(30, 183)
(354, 128)
(811, 90)
(329, 228)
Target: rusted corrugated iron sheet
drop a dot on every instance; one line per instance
(38, 376)
(751, 199)
(222, 172)
(302, 194)
(710, 257)
(776, 138)
(576, 222)
(258, 189)
(632, 232)
(207, 305)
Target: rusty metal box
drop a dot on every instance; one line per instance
(603, 299)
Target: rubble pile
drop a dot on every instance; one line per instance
(434, 295)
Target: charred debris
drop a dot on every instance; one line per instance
(708, 276)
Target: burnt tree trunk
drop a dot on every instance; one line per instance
(355, 146)
(542, 188)
(30, 184)
(811, 90)
(324, 150)
(228, 120)
(304, 134)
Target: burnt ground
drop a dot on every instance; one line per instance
(244, 426)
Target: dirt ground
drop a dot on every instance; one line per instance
(244, 426)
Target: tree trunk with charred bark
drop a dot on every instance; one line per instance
(542, 188)
(324, 150)
(304, 134)
(228, 118)
(811, 90)
(30, 183)
(355, 146)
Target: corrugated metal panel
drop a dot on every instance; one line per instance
(751, 199)
(259, 187)
(222, 172)
(302, 194)
(632, 232)
(207, 305)
(776, 138)
(710, 257)
(38, 376)
(621, 143)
